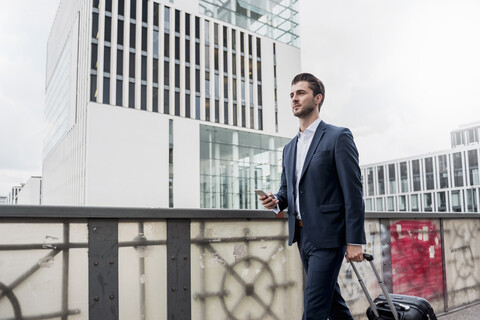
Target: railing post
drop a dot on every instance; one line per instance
(178, 269)
(103, 269)
(444, 267)
(386, 253)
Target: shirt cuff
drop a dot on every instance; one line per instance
(277, 209)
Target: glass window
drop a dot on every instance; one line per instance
(368, 205)
(197, 53)
(207, 109)
(119, 92)
(93, 88)
(95, 25)
(131, 94)
(252, 117)
(94, 61)
(155, 70)
(108, 6)
(379, 204)
(260, 118)
(215, 34)
(177, 103)
(187, 78)
(442, 201)
(197, 107)
(177, 75)
(207, 57)
(381, 181)
(166, 73)
(225, 112)
(404, 176)
(458, 169)
(187, 51)
(215, 58)
(242, 43)
(472, 205)
(120, 32)
(143, 97)
(443, 171)
(234, 64)
(166, 101)
(390, 204)
(166, 46)
(106, 60)
(155, 99)
(121, 7)
(166, 19)
(429, 178)
(108, 29)
(155, 43)
(132, 35)
(225, 36)
(217, 111)
(392, 179)
(106, 90)
(259, 48)
(187, 24)
(414, 202)
(428, 202)
(131, 65)
(144, 10)
(187, 105)
(259, 71)
(473, 168)
(207, 84)
(144, 38)
(156, 14)
(244, 116)
(177, 48)
(144, 68)
(472, 135)
(456, 201)
(416, 175)
(225, 87)
(133, 9)
(242, 66)
(235, 114)
(197, 27)
(197, 80)
(259, 94)
(370, 190)
(217, 90)
(234, 40)
(206, 31)
(177, 21)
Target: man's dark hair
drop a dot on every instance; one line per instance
(315, 84)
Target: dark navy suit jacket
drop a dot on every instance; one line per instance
(330, 190)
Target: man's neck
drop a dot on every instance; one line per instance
(306, 122)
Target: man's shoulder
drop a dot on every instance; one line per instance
(335, 129)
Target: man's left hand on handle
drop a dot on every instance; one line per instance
(354, 253)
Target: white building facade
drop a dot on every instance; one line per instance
(445, 181)
(159, 104)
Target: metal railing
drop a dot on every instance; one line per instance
(61, 262)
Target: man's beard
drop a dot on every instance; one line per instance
(304, 112)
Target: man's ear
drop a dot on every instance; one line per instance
(318, 99)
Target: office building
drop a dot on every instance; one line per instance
(445, 181)
(155, 103)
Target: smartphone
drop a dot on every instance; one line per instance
(260, 192)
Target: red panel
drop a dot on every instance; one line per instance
(416, 258)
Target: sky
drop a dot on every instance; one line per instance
(400, 74)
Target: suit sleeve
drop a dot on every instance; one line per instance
(282, 195)
(348, 172)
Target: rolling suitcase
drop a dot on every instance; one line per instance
(394, 306)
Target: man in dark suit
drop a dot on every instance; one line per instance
(321, 187)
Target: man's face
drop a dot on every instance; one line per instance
(303, 101)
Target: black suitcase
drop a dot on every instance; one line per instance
(394, 306)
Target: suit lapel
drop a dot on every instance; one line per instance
(313, 146)
(292, 155)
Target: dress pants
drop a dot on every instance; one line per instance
(322, 298)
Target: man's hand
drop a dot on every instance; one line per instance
(269, 201)
(354, 253)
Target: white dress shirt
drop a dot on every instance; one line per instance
(304, 140)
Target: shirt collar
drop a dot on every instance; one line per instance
(310, 131)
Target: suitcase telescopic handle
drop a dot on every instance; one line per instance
(369, 258)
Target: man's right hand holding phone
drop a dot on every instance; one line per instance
(268, 200)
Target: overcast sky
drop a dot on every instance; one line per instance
(401, 74)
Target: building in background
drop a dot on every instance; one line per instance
(180, 103)
(28, 193)
(445, 181)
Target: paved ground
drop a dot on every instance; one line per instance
(469, 313)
